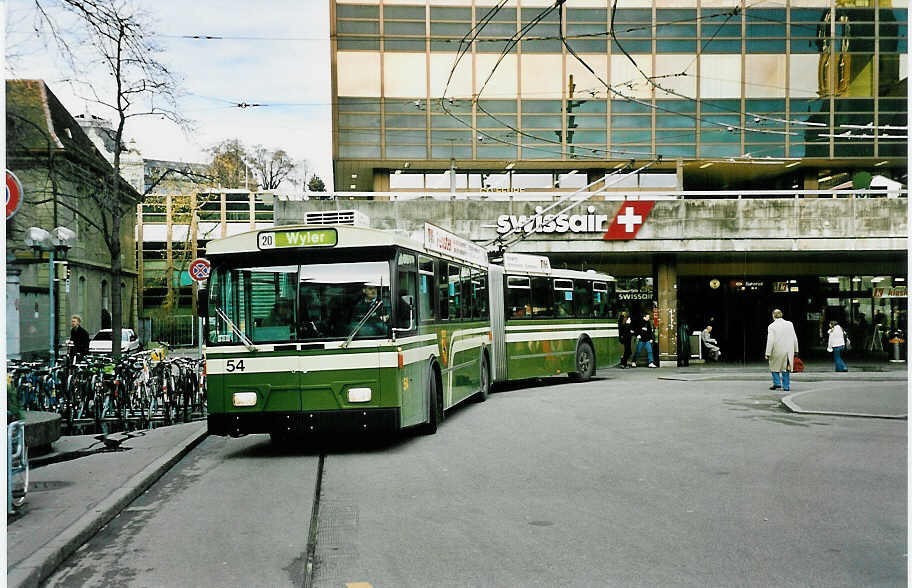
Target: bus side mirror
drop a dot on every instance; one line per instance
(202, 302)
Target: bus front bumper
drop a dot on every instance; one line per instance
(361, 420)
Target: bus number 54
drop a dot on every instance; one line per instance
(233, 365)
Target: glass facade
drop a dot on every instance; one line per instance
(818, 79)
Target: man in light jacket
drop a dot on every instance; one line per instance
(781, 347)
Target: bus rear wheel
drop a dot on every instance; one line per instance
(585, 363)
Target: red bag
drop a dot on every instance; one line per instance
(797, 365)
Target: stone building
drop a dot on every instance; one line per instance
(60, 169)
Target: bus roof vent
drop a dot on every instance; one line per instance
(352, 218)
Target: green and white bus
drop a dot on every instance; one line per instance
(336, 328)
(557, 321)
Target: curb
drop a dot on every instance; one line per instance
(798, 378)
(41, 564)
(789, 403)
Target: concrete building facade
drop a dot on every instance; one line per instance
(765, 130)
(800, 94)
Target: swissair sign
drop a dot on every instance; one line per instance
(624, 225)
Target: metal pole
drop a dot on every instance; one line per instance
(452, 178)
(51, 294)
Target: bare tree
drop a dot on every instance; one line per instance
(298, 177)
(140, 85)
(271, 167)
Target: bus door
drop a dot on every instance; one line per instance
(496, 305)
(411, 382)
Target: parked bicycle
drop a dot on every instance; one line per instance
(143, 386)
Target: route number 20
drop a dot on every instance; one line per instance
(234, 365)
(267, 241)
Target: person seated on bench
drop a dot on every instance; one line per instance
(710, 344)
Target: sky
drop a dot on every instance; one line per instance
(277, 57)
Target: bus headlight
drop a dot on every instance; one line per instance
(359, 394)
(244, 398)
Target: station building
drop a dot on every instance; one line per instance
(773, 135)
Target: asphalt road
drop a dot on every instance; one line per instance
(630, 481)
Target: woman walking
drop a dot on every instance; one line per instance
(624, 334)
(836, 344)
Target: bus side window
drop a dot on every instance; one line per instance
(600, 300)
(454, 292)
(563, 298)
(467, 302)
(443, 286)
(426, 309)
(407, 278)
(542, 301)
(518, 298)
(582, 298)
(480, 294)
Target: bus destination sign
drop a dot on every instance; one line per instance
(443, 241)
(292, 239)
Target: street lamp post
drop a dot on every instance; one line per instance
(59, 242)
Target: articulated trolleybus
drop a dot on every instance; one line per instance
(337, 328)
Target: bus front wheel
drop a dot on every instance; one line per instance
(585, 362)
(435, 412)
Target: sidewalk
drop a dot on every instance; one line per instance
(84, 483)
(819, 389)
(69, 501)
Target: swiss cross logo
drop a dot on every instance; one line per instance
(628, 220)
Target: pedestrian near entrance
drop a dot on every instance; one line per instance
(836, 345)
(781, 347)
(644, 340)
(79, 337)
(711, 345)
(624, 334)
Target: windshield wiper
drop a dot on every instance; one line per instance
(370, 311)
(241, 335)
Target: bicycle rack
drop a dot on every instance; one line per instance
(16, 463)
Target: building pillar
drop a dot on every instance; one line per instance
(194, 244)
(223, 214)
(252, 199)
(139, 260)
(666, 267)
(811, 183)
(169, 250)
(13, 345)
(381, 183)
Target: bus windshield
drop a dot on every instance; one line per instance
(299, 302)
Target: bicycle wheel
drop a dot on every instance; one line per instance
(169, 406)
(19, 466)
(72, 397)
(98, 398)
